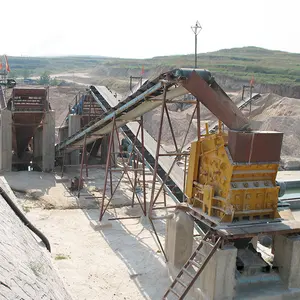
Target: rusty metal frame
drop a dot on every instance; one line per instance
(140, 158)
(177, 156)
(179, 153)
(163, 107)
(125, 169)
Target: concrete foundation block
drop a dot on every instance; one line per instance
(38, 144)
(145, 221)
(217, 281)
(179, 239)
(62, 180)
(5, 140)
(63, 134)
(287, 259)
(74, 124)
(97, 225)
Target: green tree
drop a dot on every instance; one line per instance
(44, 78)
(26, 73)
(12, 74)
(54, 81)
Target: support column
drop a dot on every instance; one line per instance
(5, 140)
(179, 239)
(287, 259)
(74, 126)
(63, 133)
(217, 281)
(37, 145)
(48, 136)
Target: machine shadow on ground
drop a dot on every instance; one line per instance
(134, 242)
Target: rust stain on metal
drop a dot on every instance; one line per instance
(28, 106)
(256, 146)
(216, 100)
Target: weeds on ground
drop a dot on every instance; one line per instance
(25, 208)
(61, 256)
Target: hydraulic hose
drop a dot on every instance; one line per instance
(24, 220)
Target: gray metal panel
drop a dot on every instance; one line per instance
(107, 95)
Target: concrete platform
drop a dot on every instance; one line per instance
(288, 176)
(292, 181)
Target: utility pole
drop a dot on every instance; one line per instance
(196, 29)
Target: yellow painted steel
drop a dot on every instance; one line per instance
(230, 191)
(206, 128)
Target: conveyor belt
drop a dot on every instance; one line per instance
(130, 108)
(174, 185)
(150, 95)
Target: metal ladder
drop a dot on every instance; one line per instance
(191, 263)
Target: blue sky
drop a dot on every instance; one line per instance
(142, 29)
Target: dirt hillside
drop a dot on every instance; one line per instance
(278, 113)
(269, 112)
(60, 98)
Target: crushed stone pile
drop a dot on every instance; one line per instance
(276, 113)
(180, 122)
(60, 98)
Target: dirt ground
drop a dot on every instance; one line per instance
(123, 261)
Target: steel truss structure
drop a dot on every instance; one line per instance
(112, 166)
(117, 120)
(138, 157)
(160, 92)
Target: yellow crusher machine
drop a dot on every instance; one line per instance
(228, 186)
(232, 175)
